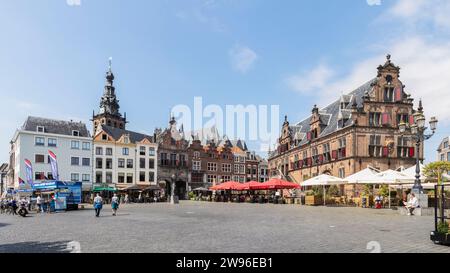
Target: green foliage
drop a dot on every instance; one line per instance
(367, 189)
(443, 227)
(384, 190)
(191, 195)
(436, 169)
(333, 191)
(317, 191)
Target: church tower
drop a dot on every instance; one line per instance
(109, 106)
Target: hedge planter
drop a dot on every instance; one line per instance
(313, 200)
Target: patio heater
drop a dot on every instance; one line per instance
(417, 134)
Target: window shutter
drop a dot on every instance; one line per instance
(385, 151)
(334, 154)
(386, 119)
(320, 159)
(398, 94)
(308, 136)
(300, 164)
(411, 120)
(412, 152)
(343, 152)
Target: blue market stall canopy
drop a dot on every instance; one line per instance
(51, 185)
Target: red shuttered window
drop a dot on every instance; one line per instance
(398, 94)
(386, 119)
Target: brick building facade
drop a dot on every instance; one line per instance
(211, 164)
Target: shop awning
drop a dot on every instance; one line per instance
(103, 188)
(152, 188)
(201, 189)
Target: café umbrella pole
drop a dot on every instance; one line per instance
(324, 196)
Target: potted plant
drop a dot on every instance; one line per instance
(442, 235)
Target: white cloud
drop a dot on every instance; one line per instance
(422, 11)
(424, 58)
(242, 58)
(373, 2)
(308, 82)
(203, 13)
(424, 66)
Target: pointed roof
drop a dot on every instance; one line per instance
(205, 135)
(109, 104)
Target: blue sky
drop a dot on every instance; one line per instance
(295, 54)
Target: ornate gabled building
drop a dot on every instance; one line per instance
(359, 129)
(109, 113)
(173, 159)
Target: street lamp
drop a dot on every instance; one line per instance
(417, 131)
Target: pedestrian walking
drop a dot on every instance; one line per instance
(126, 199)
(115, 204)
(39, 204)
(98, 205)
(14, 206)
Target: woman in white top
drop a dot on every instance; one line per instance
(98, 205)
(115, 204)
(412, 204)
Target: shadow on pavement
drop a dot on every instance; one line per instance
(36, 247)
(3, 225)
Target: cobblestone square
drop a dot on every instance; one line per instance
(219, 227)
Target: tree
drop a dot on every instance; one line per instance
(333, 191)
(436, 170)
(384, 190)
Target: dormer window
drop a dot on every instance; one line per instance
(344, 105)
(75, 133)
(40, 129)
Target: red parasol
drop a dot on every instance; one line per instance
(232, 185)
(276, 184)
(249, 185)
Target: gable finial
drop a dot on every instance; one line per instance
(388, 57)
(110, 64)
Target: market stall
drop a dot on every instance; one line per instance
(60, 195)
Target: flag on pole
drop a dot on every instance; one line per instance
(54, 164)
(29, 172)
(21, 182)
